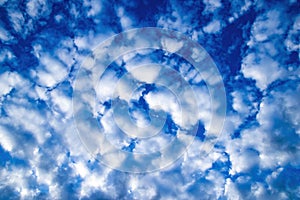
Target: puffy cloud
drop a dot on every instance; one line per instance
(212, 27)
(266, 146)
(291, 41)
(10, 80)
(261, 68)
(7, 141)
(94, 7)
(171, 45)
(5, 35)
(124, 20)
(211, 6)
(262, 62)
(46, 75)
(38, 8)
(267, 26)
(238, 8)
(17, 20)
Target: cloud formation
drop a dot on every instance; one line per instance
(256, 50)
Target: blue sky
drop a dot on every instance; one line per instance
(48, 151)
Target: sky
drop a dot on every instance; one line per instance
(149, 99)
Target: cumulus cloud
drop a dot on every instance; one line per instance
(38, 8)
(211, 6)
(47, 74)
(291, 41)
(5, 35)
(262, 63)
(261, 68)
(212, 27)
(267, 146)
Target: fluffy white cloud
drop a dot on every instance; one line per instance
(238, 8)
(5, 35)
(212, 27)
(175, 21)
(7, 140)
(6, 54)
(262, 68)
(267, 26)
(125, 21)
(94, 6)
(212, 5)
(17, 20)
(38, 8)
(147, 73)
(269, 145)
(171, 45)
(50, 72)
(8, 81)
(291, 42)
(262, 63)
(239, 104)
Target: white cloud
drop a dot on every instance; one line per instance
(2, 2)
(38, 8)
(5, 35)
(263, 62)
(81, 169)
(231, 191)
(41, 93)
(106, 86)
(94, 6)
(140, 118)
(125, 87)
(125, 21)
(175, 21)
(172, 45)
(140, 186)
(266, 26)
(111, 131)
(51, 71)
(66, 52)
(17, 178)
(95, 181)
(6, 54)
(238, 8)
(212, 5)
(153, 144)
(197, 55)
(212, 27)
(9, 80)
(239, 104)
(195, 160)
(262, 68)
(62, 102)
(242, 158)
(90, 41)
(273, 143)
(218, 182)
(146, 73)
(291, 42)
(6, 139)
(166, 101)
(30, 120)
(267, 145)
(17, 20)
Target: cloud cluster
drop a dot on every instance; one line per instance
(43, 45)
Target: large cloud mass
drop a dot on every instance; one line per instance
(255, 45)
